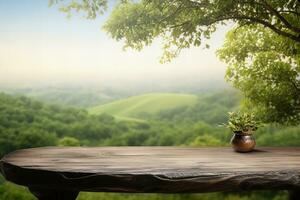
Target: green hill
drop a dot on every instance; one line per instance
(136, 106)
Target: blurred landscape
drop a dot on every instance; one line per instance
(64, 82)
(96, 117)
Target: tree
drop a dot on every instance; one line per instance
(206, 140)
(34, 137)
(266, 67)
(269, 57)
(68, 141)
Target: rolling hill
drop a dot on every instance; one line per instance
(133, 107)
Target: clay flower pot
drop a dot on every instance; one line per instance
(243, 142)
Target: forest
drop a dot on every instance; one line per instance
(26, 122)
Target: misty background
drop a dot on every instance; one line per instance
(41, 47)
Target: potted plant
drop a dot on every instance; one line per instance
(243, 125)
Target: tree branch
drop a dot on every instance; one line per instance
(251, 19)
(172, 14)
(289, 11)
(272, 27)
(280, 17)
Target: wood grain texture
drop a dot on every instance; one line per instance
(153, 169)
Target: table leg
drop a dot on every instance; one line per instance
(294, 194)
(45, 194)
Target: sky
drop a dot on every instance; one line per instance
(40, 45)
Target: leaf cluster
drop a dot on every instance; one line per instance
(266, 68)
(242, 122)
(91, 8)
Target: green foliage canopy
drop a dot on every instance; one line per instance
(182, 24)
(266, 67)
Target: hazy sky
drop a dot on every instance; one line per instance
(39, 44)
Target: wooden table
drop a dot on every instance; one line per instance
(54, 173)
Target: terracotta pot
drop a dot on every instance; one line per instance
(243, 142)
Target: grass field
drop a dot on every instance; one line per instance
(132, 107)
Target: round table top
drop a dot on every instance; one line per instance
(153, 169)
